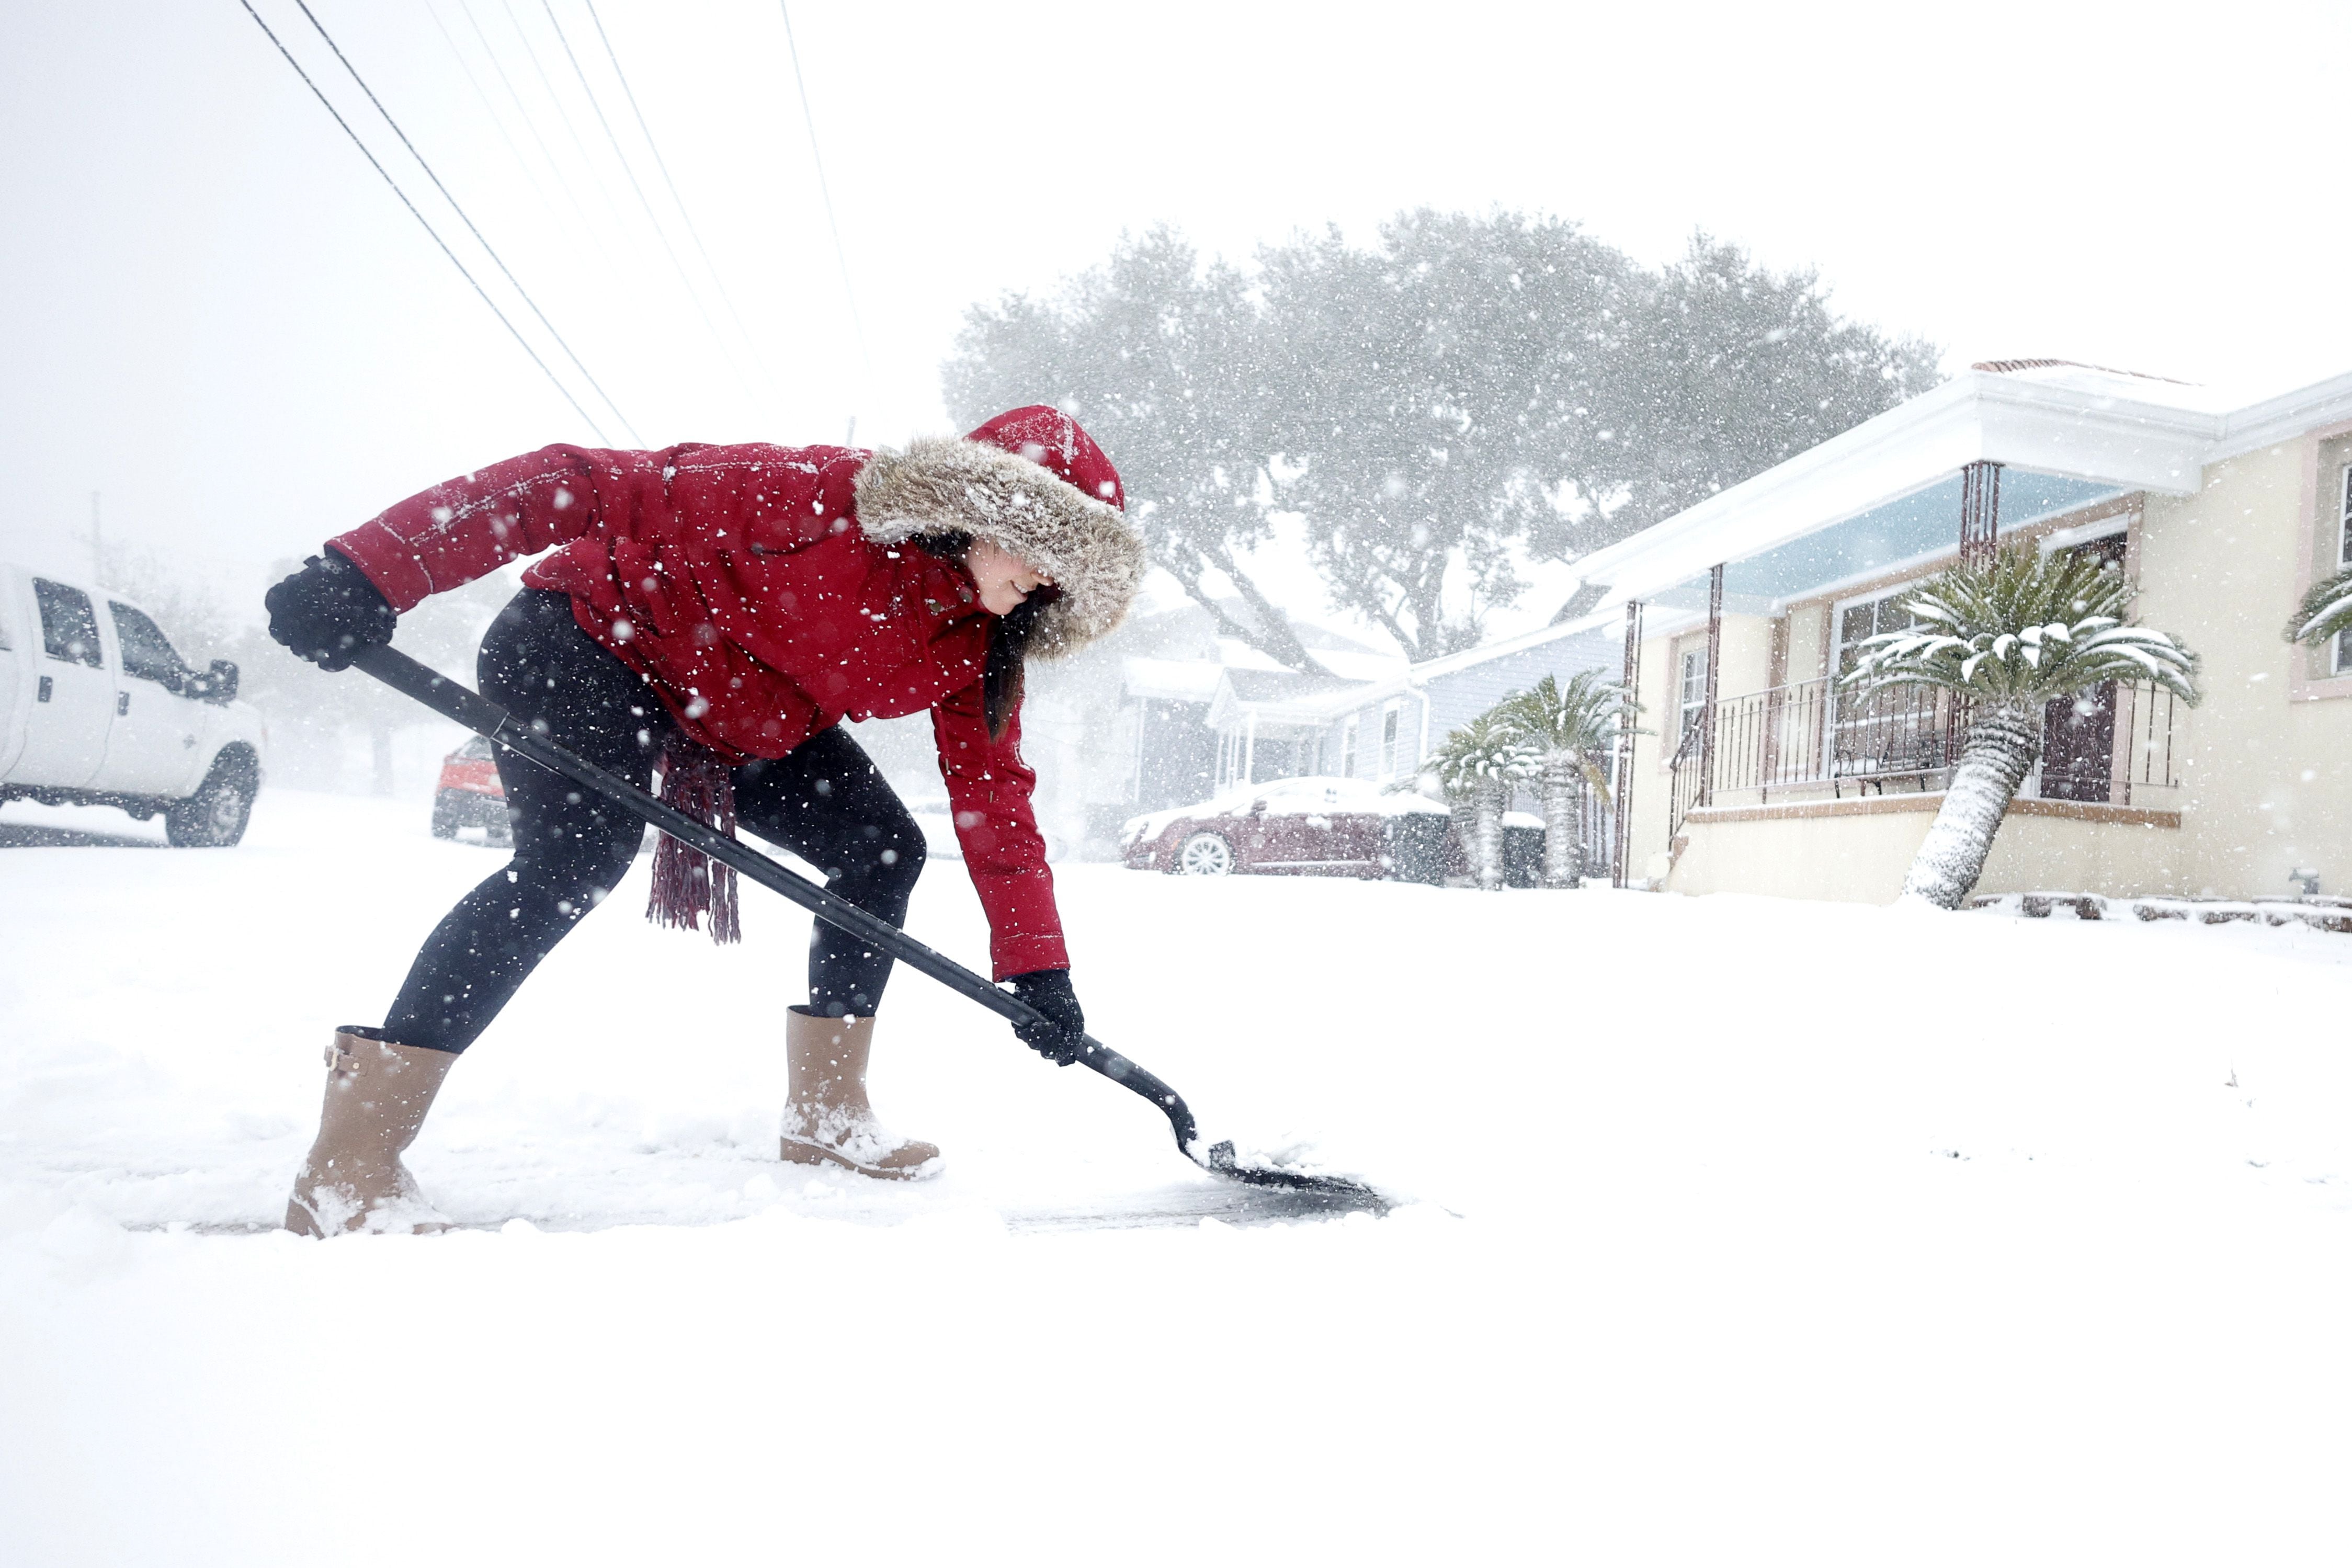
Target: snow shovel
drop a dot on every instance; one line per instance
(495, 725)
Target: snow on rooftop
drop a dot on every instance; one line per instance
(2100, 381)
(1172, 679)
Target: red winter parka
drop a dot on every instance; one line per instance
(770, 592)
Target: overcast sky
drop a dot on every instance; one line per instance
(212, 311)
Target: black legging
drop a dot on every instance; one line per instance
(826, 803)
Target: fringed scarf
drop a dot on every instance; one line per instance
(696, 782)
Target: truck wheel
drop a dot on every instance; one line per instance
(215, 816)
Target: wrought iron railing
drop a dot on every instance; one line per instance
(2107, 746)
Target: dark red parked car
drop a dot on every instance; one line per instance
(469, 795)
(1298, 827)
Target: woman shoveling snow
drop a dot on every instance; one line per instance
(715, 612)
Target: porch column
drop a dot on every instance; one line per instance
(1622, 847)
(1714, 660)
(1979, 511)
(1249, 750)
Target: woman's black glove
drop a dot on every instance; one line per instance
(329, 611)
(1062, 1037)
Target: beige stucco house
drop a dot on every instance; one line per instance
(1759, 776)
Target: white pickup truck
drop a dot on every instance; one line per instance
(97, 707)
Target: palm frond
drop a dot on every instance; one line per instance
(1486, 750)
(2325, 612)
(1583, 715)
(2025, 628)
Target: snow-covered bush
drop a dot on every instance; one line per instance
(2325, 612)
(1476, 765)
(1567, 728)
(2006, 636)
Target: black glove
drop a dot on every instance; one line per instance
(329, 611)
(1062, 1037)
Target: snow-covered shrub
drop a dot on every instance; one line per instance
(2006, 636)
(1568, 728)
(1476, 765)
(2325, 612)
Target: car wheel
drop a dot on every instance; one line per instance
(445, 816)
(1205, 855)
(215, 816)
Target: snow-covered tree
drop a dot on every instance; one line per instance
(1475, 766)
(1567, 728)
(1434, 403)
(1157, 355)
(2006, 637)
(1441, 391)
(1721, 368)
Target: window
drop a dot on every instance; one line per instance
(1391, 719)
(1887, 612)
(2340, 651)
(69, 623)
(147, 653)
(1348, 748)
(1693, 688)
(1893, 733)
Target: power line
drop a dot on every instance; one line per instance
(621, 158)
(302, 7)
(718, 280)
(564, 115)
(824, 188)
(586, 228)
(594, 244)
(325, 102)
(490, 108)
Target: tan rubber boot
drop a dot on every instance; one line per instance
(827, 1119)
(377, 1095)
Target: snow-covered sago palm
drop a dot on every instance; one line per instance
(1566, 727)
(1478, 764)
(2006, 637)
(2325, 612)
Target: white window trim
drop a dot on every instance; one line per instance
(1685, 705)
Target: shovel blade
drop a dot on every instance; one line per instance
(1332, 1193)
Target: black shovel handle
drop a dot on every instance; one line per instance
(495, 725)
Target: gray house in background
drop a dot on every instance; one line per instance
(1381, 729)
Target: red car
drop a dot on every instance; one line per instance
(469, 795)
(1298, 827)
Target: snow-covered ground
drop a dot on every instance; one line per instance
(1744, 1231)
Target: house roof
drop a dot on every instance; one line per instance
(2064, 433)
(1170, 679)
(1196, 679)
(1464, 659)
(1276, 696)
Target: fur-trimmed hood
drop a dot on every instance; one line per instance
(975, 486)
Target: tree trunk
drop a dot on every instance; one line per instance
(1273, 636)
(1563, 808)
(1462, 821)
(1487, 833)
(2002, 746)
